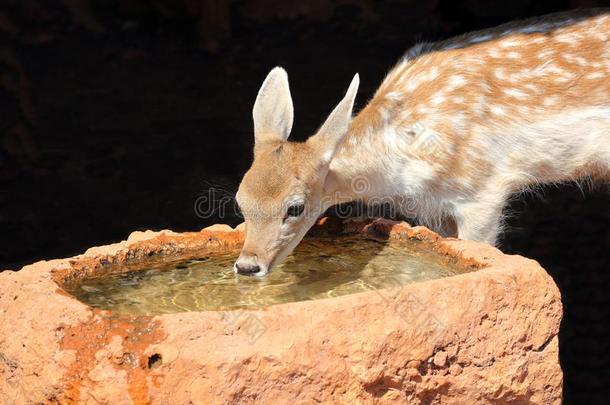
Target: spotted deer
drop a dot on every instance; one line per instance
(455, 128)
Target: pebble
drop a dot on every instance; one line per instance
(455, 369)
(440, 359)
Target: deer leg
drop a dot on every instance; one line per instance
(480, 219)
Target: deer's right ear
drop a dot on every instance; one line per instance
(273, 112)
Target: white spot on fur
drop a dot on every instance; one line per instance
(394, 95)
(497, 110)
(510, 42)
(519, 77)
(500, 73)
(595, 75)
(456, 81)
(546, 54)
(516, 93)
(421, 78)
(437, 99)
(582, 61)
(568, 38)
(549, 101)
(422, 109)
(554, 70)
(494, 53)
(532, 87)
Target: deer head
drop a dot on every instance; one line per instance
(283, 193)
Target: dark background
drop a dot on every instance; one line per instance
(117, 115)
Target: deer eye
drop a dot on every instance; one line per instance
(294, 210)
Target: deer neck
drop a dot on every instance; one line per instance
(364, 166)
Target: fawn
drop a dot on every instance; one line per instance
(456, 128)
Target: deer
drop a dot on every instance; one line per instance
(456, 128)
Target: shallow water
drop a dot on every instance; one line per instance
(317, 269)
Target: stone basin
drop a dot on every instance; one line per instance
(485, 336)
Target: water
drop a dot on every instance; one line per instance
(317, 269)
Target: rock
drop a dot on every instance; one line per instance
(440, 359)
(412, 372)
(414, 364)
(219, 228)
(485, 336)
(138, 236)
(455, 369)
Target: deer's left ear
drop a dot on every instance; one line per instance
(331, 133)
(273, 112)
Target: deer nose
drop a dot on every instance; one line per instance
(247, 269)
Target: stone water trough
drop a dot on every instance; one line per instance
(485, 336)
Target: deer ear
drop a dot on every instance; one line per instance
(273, 112)
(331, 133)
